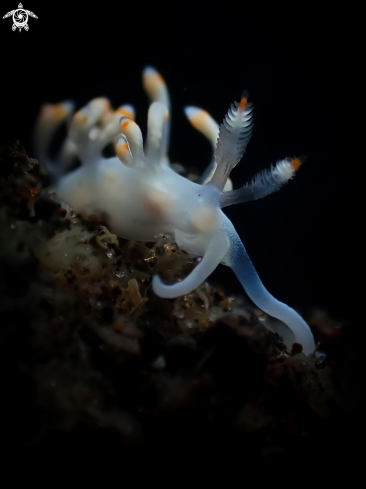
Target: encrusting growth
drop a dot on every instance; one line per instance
(143, 197)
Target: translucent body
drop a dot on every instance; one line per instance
(143, 197)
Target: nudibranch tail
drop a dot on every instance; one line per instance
(264, 182)
(234, 134)
(248, 277)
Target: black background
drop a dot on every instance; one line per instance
(294, 60)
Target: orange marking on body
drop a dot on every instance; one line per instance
(152, 81)
(121, 150)
(105, 118)
(296, 163)
(125, 112)
(156, 77)
(125, 124)
(122, 146)
(157, 201)
(59, 111)
(101, 100)
(243, 103)
(80, 118)
(52, 113)
(199, 119)
(154, 207)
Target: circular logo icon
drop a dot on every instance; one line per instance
(20, 17)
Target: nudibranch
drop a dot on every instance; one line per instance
(143, 197)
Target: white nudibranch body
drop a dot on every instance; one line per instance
(142, 196)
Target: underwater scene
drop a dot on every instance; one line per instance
(175, 248)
